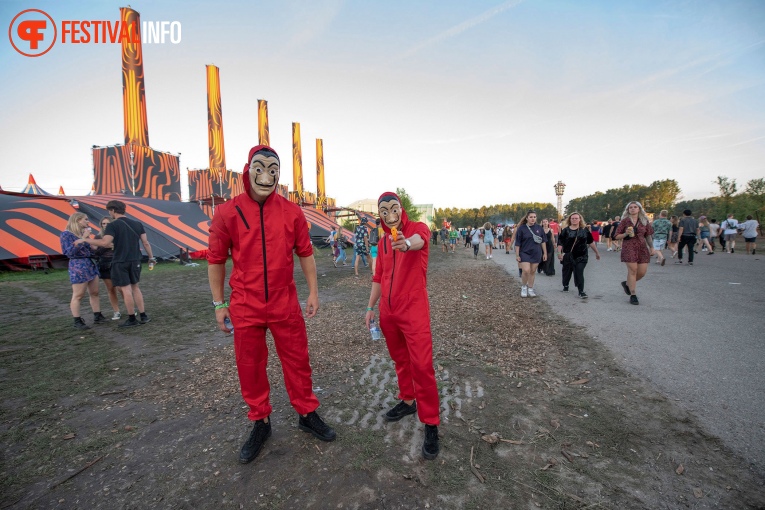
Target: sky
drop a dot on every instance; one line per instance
(463, 104)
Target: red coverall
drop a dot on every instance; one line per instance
(405, 318)
(263, 294)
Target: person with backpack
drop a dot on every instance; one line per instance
(730, 229)
(374, 238)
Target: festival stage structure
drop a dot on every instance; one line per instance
(135, 168)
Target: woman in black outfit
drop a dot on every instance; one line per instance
(548, 266)
(573, 242)
(105, 256)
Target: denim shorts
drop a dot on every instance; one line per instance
(659, 244)
(705, 235)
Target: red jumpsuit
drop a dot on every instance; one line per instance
(405, 318)
(262, 240)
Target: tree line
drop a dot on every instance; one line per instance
(494, 214)
(665, 194)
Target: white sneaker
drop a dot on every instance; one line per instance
(532, 293)
(117, 316)
(491, 256)
(610, 249)
(524, 291)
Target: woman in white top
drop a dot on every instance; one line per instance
(488, 239)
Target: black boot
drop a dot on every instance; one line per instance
(260, 432)
(80, 324)
(430, 447)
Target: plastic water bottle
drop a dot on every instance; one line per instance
(151, 264)
(374, 330)
(227, 323)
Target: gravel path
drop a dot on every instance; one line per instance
(698, 334)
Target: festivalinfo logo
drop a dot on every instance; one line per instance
(34, 32)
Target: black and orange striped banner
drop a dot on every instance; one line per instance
(321, 190)
(204, 184)
(264, 136)
(297, 161)
(133, 86)
(150, 173)
(215, 122)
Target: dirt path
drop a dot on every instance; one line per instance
(153, 417)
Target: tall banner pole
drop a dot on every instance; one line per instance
(215, 127)
(133, 86)
(263, 135)
(297, 162)
(321, 192)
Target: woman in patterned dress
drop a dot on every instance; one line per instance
(83, 272)
(636, 233)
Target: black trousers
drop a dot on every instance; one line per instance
(689, 241)
(475, 249)
(570, 266)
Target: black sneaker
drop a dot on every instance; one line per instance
(626, 289)
(678, 262)
(260, 432)
(634, 300)
(430, 446)
(99, 319)
(143, 319)
(315, 425)
(402, 409)
(583, 295)
(565, 288)
(129, 323)
(732, 250)
(80, 324)
(690, 263)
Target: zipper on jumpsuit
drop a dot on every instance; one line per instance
(393, 272)
(263, 239)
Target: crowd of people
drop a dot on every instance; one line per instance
(633, 234)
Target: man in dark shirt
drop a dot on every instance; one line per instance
(125, 234)
(688, 229)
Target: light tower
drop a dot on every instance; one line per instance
(559, 188)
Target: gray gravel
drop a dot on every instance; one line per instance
(698, 334)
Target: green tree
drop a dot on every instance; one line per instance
(408, 205)
(728, 188)
(755, 189)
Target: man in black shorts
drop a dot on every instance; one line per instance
(125, 234)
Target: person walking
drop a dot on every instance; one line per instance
(263, 232)
(636, 234)
(705, 234)
(661, 231)
(374, 239)
(475, 241)
(361, 248)
(714, 233)
(126, 235)
(548, 266)
(595, 231)
(674, 238)
(607, 235)
(730, 230)
(749, 232)
(617, 244)
(400, 287)
(573, 244)
(105, 256)
(530, 250)
(83, 272)
(488, 239)
(453, 236)
(507, 235)
(688, 230)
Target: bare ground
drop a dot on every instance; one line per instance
(535, 413)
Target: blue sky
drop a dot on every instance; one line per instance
(461, 103)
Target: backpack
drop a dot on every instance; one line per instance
(374, 236)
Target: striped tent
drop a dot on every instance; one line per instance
(33, 189)
(321, 226)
